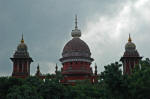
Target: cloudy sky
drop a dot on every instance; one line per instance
(47, 26)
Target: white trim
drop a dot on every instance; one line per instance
(69, 60)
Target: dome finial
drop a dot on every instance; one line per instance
(129, 38)
(22, 40)
(95, 69)
(76, 22)
(56, 68)
(38, 67)
(76, 32)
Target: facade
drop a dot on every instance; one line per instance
(76, 59)
(131, 57)
(21, 61)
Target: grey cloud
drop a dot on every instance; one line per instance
(46, 26)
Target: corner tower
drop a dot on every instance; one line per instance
(130, 58)
(76, 59)
(21, 61)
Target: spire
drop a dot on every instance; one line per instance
(76, 32)
(56, 68)
(129, 38)
(38, 73)
(38, 68)
(95, 69)
(22, 40)
(76, 22)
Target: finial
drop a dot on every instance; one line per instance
(56, 68)
(22, 40)
(95, 65)
(38, 67)
(76, 22)
(56, 65)
(95, 69)
(129, 38)
(76, 32)
(38, 73)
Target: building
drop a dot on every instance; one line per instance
(76, 59)
(21, 61)
(131, 57)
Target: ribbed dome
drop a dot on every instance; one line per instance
(130, 49)
(22, 50)
(22, 47)
(130, 46)
(76, 47)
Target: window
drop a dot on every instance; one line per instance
(20, 67)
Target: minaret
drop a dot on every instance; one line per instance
(38, 73)
(56, 68)
(95, 69)
(21, 61)
(130, 58)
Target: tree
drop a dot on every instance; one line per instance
(6, 83)
(113, 82)
(139, 82)
(52, 89)
(23, 92)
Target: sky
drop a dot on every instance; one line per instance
(47, 25)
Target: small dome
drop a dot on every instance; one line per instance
(130, 49)
(76, 47)
(21, 51)
(22, 47)
(130, 46)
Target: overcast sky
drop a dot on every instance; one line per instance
(47, 26)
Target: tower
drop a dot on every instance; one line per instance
(38, 73)
(56, 68)
(130, 58)
(76, 59)
(21, 61)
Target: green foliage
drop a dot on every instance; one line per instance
(23, 92)
(139, 82)
(83, 90)
(51, 89)
(112, 85)
(6, 83)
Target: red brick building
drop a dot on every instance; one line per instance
(21, 61)
(131, 57)
(76, 59)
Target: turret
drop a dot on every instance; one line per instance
(131, 57)
(21, 61)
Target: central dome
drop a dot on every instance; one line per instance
(76, 47)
